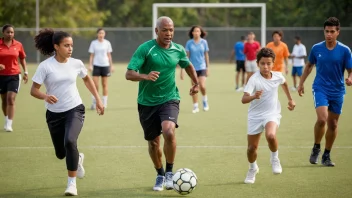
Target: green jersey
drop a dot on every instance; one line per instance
(151, 57)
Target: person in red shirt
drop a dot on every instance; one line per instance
(251, 47)
(10, 73)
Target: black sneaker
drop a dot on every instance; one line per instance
(326, 161)
(314, 156)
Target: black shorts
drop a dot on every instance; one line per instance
(10, 83)
(202, 72)
(240, 65)
(151, 117)
(101, 71)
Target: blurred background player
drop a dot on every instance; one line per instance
(251, 47)
(65, 112)
(10, 73)
(238, 54)
(299, 53)
(153, 65)
(100, 63)
(198, 52)
(281, 52)
(331, 59)
(264, 111)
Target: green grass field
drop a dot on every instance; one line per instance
(212, 144)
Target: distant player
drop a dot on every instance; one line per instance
(65, 112)
(154, 65)
(251, 47)
(331, 59)
(100, 63)
(264, 111)
(240, 57)
(281, 52)
(198, 52)
(11, 51)
(299, 53)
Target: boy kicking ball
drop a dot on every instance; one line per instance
(264, 111)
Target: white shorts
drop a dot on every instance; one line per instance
(251, 66)
(256, 126)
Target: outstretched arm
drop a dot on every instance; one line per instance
(307, 70)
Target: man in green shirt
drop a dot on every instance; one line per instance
(154, 65)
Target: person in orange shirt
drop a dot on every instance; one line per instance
(10, 73)
(281, 51)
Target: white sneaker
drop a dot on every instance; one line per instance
(169, 184)
(195, 110)
(239, 89)
(293, 89)
(80, 171)
(71, 190)
(159, 183)
(8, 128)
(250, 178)
(205, 106)
(92, 107)
(276, 166)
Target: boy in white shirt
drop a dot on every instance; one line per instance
(299, 53)
(264, 112)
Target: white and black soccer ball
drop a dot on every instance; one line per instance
(185, 181)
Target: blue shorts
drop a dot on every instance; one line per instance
(334, 103)
(297, 70)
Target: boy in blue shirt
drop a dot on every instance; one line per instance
(331, 58)
(240, 57)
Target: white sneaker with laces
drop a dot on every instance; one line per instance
(8, 128)
(159, 183)
(250, 178)
(80, 171)
(276, 166)
(195, 110)
(169, 184)
(71, 189)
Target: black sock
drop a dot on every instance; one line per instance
(169, 167)
(326, 152)
(316, 146)
(160, 171)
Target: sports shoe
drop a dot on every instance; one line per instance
(250, 178)
(159, 183)
(92, 107)
(293, 89)
(195, 110)
(169, 184)
(205, 106)
(276, 166)
(326, 161)
(80, 171)
(8, 128)
(239, 89)
(314, 156)
(71, 190)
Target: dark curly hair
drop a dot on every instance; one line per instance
(266, 53)
(332, 21)
(6, 26)
(202, 32)
(279, 32)
(46, 39)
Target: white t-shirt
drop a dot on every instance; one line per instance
(60, 80)
(268, 104)
(298, 50)
(100, 51)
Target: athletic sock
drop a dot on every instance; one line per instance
(160, 171)
(169, 167)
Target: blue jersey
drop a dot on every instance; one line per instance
(239, 47)
(197, 53)
(331, 65)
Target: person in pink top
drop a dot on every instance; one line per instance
(251, 47)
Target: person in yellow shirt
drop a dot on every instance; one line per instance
(281, 51)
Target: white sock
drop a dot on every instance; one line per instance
(195, 105)
(275, 154)
(71, 180)
(93, 100)
(205, 98)
(9, 122)
(105, 100)
(253, 165)
(6, 118)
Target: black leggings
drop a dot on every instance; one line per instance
(65, 128)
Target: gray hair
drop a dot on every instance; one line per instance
(162, 19)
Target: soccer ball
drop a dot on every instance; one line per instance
(185, 181)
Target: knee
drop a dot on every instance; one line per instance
(60, 155)
(154, 145)
(202, 88)
(321, 122)
(169, 134)
(270, 137)
(70, 144)
(10, 101)
(332, 124)
(252, 149)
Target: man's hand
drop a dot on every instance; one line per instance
(153, 75)
(348, 81)
(291, 105)
(25, 78)
(194, 89)
(258, 94)
(300, 90)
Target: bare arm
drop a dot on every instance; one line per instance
(91, 87)
(182, 73)
(307, 70)
(247, 98)
(24, 64)
(349, 73)
(135, 76)
(207, 59)
(191, 72)
(91, 57)
(110, 59)
(35, 92)
(287, 92)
